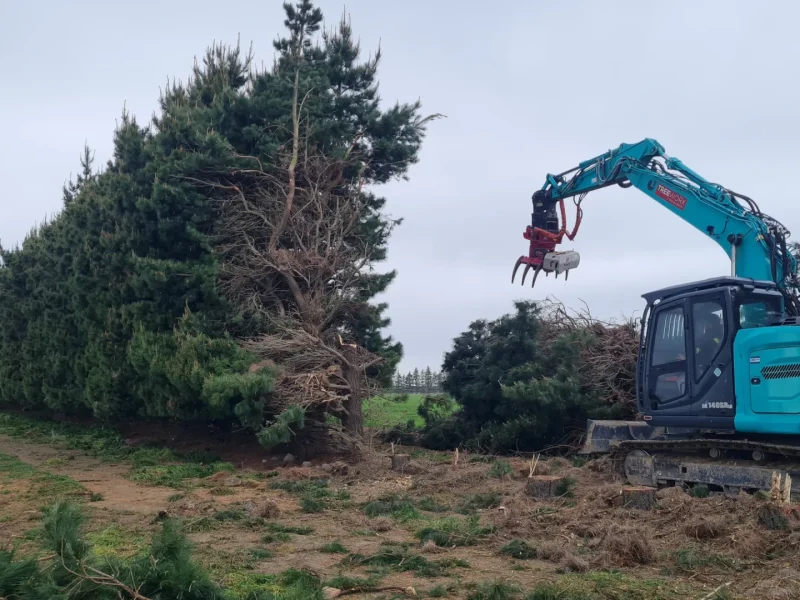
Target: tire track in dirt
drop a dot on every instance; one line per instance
(109, 480)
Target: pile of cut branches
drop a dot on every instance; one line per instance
(608, 352)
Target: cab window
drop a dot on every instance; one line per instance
(758, 312)
(708, 318)
(669, 344)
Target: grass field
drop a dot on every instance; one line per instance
(386, 411)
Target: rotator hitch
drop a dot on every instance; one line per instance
(544, 234)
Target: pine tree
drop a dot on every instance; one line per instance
(427, 378)
(437, 381)
(398, 382)
(70, 189)
(417, 381)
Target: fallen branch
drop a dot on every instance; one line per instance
(103, 579)
(711, 595)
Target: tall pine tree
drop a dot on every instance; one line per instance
(114, 308)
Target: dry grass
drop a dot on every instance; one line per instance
(627, 546)
(707, 527)
(784, 585)
(575, 564)
(552, 551)
(380, 524)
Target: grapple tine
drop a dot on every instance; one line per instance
(535, 275)
(566, 274)
(516, 266)
(525, 273)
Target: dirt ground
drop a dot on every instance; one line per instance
(443, 529)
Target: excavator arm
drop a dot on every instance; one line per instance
(755, 242)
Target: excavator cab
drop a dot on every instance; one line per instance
(685, 373)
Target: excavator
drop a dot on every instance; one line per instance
(718, 369)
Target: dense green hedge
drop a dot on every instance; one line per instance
(113, 309)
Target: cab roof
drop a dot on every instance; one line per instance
(708, 284)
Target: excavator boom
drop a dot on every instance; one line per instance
(755, 242)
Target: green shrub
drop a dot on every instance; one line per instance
(480, 501)
(166, 571)
(400, 509)
(451, 531)
(400, 560)
(496, 590)
(312, 504)
(519, 549)
(280, 528)
(565, 486)
(429, 504)
(334, 547)
(519, 383)
(500, 469)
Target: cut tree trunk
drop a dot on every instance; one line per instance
(353, 420)
(639, 497)
(543, 486)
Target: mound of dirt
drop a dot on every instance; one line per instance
(439, 477)
(337, 468)
(225, 479)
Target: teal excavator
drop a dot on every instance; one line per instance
(718, 369)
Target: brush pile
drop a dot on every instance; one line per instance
(608, 350)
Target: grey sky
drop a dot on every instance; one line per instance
(528, 88)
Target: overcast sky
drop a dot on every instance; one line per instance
(528, 88)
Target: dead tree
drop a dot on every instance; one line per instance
(294, 258)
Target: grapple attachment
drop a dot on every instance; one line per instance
(544, 234)
(543, 257)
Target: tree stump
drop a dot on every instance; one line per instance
(544, 486)
(400, 462)
(639, 497)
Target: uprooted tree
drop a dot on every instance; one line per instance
(295, 252)
(298, 247)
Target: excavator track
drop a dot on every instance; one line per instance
(730, 466)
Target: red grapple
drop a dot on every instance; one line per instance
(544, 234)
(541, 243)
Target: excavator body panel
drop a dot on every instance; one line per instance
(768, 380)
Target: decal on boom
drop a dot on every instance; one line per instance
(673, 198)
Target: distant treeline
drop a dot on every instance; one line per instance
(417, 382)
